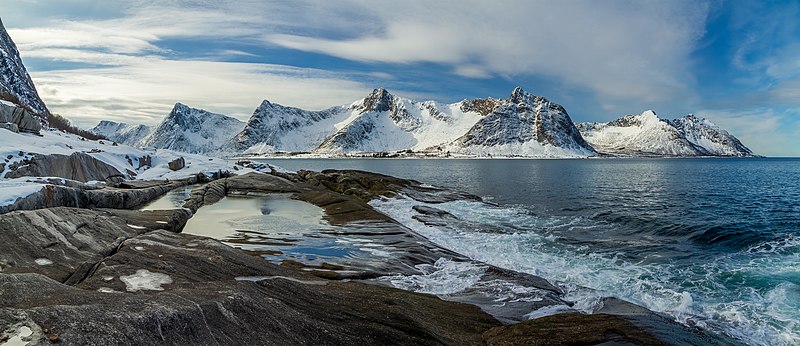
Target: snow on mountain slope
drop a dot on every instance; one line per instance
(121, 133)
(648, 135)
(15, 83)
(522, 125)
(714, 140)
(382, 122)
(192, 130)
(274, 127)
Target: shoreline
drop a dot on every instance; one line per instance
(343, 194)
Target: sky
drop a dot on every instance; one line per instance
(736, 63)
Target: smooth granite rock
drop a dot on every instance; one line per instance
(20, 117)
(159, 287)
(69, 193)
(78, 166)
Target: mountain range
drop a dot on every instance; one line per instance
(521, 125)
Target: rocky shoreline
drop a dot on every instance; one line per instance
(79, 266)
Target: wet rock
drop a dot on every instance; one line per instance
(203, 292)
(78, 166)
(64, 242)
(571, 329)
(177, 164)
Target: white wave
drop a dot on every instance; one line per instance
(699, 294)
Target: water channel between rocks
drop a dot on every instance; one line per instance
(276, 227)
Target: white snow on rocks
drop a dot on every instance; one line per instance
(145, 280)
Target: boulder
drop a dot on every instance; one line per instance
(177, 164)
(10, 126)
(21, 117)
(78, 166)
(145, 161)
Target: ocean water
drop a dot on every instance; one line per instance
(711, 242)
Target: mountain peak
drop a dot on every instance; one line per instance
(379, 100)
(15, 83)
(520, 96)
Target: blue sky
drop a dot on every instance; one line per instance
(736, 63)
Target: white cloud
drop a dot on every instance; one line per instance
(145, 92)
(616, 49)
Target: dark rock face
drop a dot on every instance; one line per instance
(177, 164)
(18, 119)
(521, 118)
(571, 329)
(200, 292)
(16, 85)
(74, 194)
(78, 166)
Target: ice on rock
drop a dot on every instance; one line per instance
(145, 280)
(43, 261)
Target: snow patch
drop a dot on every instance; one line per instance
(145, 280)
(43, 261)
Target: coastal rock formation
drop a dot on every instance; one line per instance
(150, 286)
(66, 193)
(78, 166)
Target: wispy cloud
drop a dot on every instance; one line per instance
(144, 92)
(616, 49)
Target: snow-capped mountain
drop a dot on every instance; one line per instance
(16, 85)
(382, 122)
(710, 137)
(192, 130)
(648, 135)
(273, 127)
(121, 133)
(525, 125)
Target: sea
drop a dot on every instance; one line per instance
(712, 242)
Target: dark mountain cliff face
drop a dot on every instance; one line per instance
(523, 117)
(16, 85)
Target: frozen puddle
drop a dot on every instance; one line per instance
(145, 280)
(171, 200)
(43, 261)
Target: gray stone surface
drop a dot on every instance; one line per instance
(177, 164)
(199, 300)
(10, 126)
(78, 166)
(68, 193)
(21, 117)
